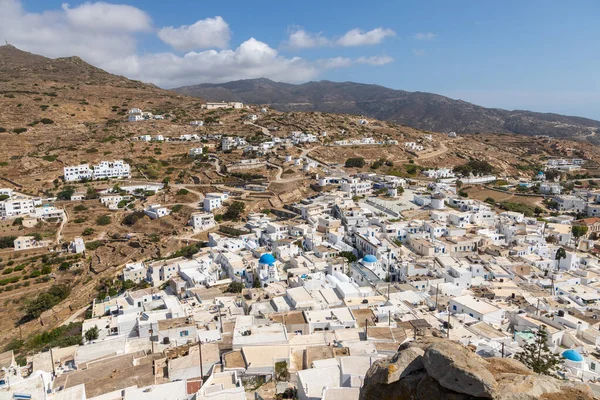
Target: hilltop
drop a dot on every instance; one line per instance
(419, 110)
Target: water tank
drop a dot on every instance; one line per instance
(561, 313)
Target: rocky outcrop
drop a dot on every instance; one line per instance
(435, 368)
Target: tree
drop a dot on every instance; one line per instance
(235, 287)
(234, 211)
(537, 356)
(103, 220)
(92, 333)
(538, 210)
(91, 193)
(560, 254)
(458, 184)
(357, 162)
(579, 230)
(552, 174)
(348, 255)
(66, 193)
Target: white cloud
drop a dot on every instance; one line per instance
(335, 62)
(358, 37)
(252, 59)
(375, 60)
(425, 36)
(301, 39)
(418, 52)
(204, 34)
(105, 35)
(102, 16)
(71, 31)
(344, 62)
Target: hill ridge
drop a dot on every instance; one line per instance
(421, 110)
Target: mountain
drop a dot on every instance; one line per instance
(420, 110)
(70, 91)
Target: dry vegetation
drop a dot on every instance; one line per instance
(64, 112)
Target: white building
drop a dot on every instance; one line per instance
(28, 242)
(230, 143)
(413, 146)
(356, 187)
(13, 207)
(202, 221)
(106, 169)
(155, 211)
(77, 172)
(550, 188)
(135, 272)
(111, 169)
(196, 151)
(77, 245)
(212, 201)
(477, 308)
(439, 173)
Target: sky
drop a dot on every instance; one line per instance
(535, 55)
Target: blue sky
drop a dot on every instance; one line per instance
(542, 56)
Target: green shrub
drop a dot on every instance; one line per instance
(19, 130)
(46, 121)
(93, 245)
(357, 162)
(46, 300)
(103, 220)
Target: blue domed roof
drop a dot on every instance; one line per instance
(572, 355)
(369, 259)
(267, 259)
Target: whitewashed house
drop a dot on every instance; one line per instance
(212, 201)
(202, 221)
(156, 211)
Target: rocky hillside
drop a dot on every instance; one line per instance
(442, 369)
(69, 91)
(420, 110)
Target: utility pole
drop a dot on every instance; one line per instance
(152, 341)
(502, 349)
(201, 369)
(389, 317)
(437, 290)
(388, 294)
(448, 330)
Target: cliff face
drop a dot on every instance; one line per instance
(441, 369)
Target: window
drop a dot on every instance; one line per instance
(183, 333)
